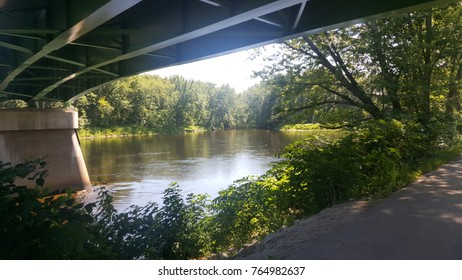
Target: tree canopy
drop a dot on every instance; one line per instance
(393, 67)
(175, 103)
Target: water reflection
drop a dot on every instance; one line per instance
(138, 169)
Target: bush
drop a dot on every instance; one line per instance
(37, 224)
(173, 231)
(116, 131)
(371, 161)
(244, 211)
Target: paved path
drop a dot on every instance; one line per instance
(421, 221)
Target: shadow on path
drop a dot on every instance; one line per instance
(421, 221)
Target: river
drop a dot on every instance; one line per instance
(137, 169)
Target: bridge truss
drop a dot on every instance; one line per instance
(62, 49)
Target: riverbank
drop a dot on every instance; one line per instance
(125, 131)
(365, 166)
(420, 221)
(301, 127)
(313, 175)
(202, 162)
(370, 162)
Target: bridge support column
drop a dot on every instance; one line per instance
(30, 134)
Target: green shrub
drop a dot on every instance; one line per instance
(174, 231)
(116, 131)
(245, 210)
(37, 224)
(373, 160)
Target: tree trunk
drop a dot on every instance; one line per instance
(391, 80)
(428, 65)
(346, 79)
(453, 100)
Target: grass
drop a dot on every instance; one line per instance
(120, 131)
(300, 126)
(96, 132)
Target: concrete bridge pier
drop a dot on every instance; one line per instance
(30, 134)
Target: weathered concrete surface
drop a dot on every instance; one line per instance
(51, 134)
(38, 119)
(421, 221)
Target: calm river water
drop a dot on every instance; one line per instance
(138, 169)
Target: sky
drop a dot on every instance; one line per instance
(233, 69)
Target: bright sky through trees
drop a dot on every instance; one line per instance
(234, 69)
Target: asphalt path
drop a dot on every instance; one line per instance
(421, 221)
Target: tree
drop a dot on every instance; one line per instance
(154, 100)
(257, 102)
(192, 105)
(142, 101)
(222, 101)
(13, 104)
(390, 67)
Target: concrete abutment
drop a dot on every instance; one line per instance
(30, 134)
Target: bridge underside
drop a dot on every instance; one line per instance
(61, 49)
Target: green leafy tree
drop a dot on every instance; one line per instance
(390, 67)
(222, 101)
(192, 105)
(13, 104)
(258, 102)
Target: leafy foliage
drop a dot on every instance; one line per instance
(392, 67)
(173, 104)
(371, 161)
(13, 104)
(173, 231)
(244, 211)
(37, 224)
